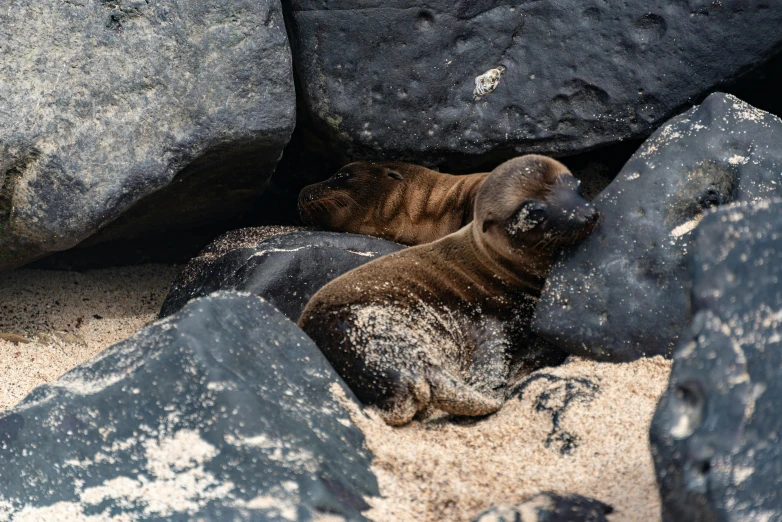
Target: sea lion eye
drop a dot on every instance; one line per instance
(536, 215)
(532, 212)
(394, 174)
(529, 215)
(341, 175)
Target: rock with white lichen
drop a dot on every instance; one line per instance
(434, 80)
(162, 114)
(622, 293)
(225, 411)
(550, 507)
(715, 436)
(286, 270)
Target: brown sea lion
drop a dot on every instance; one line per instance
(401, 202)
(445, 324)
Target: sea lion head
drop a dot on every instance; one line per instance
(533, 205)
(356, 194)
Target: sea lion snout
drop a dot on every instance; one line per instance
(580, 216)
(580, 222)
(588, 215)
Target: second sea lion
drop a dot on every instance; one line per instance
(401, 202)
(445, 324)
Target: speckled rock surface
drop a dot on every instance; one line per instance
(103, 103)
(226, 411)
(286, 270)
(550, 507)
(397, 77)
(622, 293)
(716, 433)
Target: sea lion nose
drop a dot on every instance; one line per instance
(589, 214)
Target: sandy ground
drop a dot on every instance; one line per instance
(578, 428)
(69, 317)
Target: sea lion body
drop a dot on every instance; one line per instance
(401, 202)
(444, 324)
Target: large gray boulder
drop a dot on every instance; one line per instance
(398, 77)
(224, 411)
(715, 436)
(103, 103)
(622, 293)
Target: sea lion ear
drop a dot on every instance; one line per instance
(394, 174)
(488, 221)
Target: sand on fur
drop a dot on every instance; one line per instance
(69, 317)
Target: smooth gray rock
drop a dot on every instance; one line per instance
(550, 507)
(103, 103)
(715, 436)
(396, 78)
(285, 269)
(224, 411)
(622, 293)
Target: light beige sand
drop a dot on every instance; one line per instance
(437, 470)
(57, 312)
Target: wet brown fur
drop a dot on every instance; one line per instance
(401, 202)
(445, 324)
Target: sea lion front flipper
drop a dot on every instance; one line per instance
(452, 395)
(490, 360)
(411, 395)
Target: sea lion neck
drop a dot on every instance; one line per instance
(450, 198)
(516, 272)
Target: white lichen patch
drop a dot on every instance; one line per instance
(741, 473)
(264, 252)
(278, 450)
(62, 512)
(686, 228)
(363, 254)
(184, 450)
(738, 160)
(172, 481)
(745, 111)
(488, 81)
(220, 386)
(683, 428)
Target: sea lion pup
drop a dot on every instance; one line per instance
(443, 324)
(401, 202)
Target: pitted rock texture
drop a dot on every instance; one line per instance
(286, 269)
(105, 102)
(622, 293)
(397, 77)
(715, 436)
(226, 411)
(550, 507)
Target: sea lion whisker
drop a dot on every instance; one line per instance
(353, 200)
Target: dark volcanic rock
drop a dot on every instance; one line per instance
(226, 411)
(622, 293)
(105, 103)
(550, 507)
(286, 270)
(716, 433)
(397, 77)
